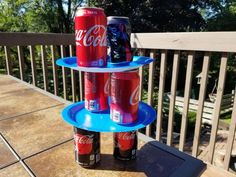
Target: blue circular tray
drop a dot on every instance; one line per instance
(79, 117)
(70, 62)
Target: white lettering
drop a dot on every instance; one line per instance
(107, 86)
(134, 98)
(126, 135)
(91, 36)
(84, 139)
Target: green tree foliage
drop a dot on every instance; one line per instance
(37, 15)
(145, 16)
(159, 15)
(12, 15)
(224, 19)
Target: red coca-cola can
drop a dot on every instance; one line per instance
(124, 97)
(125, 145)
(87, 147)
(90, 37)
(96, 88)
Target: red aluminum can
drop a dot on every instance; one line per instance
(96, 88)
(124, 97)
(125, 145)
(87, 147)
(90, 37)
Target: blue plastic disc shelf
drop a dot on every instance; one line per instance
(76, 115)
(70, 62)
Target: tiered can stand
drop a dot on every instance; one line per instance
(76, 114)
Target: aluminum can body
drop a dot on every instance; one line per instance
(124, 91)
(96, 89)
(90, 37)
(118, 37)
(87, 147)
(125, 145)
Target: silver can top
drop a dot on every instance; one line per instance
(118, 20)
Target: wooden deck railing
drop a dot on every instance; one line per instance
(165, 48)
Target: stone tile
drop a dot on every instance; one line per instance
(6, 156)
(6, 80)
(59, 161)
(24, 101)
(9, 86)
(34, 132)
(13, 171)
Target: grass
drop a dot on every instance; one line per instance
(2, 71)
(226, 117)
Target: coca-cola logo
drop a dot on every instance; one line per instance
(125, 140)
(126, 136)
(83, 143)
(134, 98)
(107, 86)
(94, 36)
(84, 139)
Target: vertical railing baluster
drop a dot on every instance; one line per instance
(173, 97)
(81, 88)
(150, 86)
(33, 64)
(44, 67)
(202, 93)
(64, 74)
(73, 77)
(141, 79)
(21, 62)
(216, 114)
(8, 60)
(231, 136)
(161, 93)
(187, 92)
(54, 70)
(141, 83)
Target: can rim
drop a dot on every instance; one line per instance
(97, 8)
(118, 17)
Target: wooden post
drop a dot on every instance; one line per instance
(150, 86)
(54, 70)
(33, 64)
(172, 97)
(216, 115)
(73, 78)
(161, 93)
(81, 88)
(8, 60)
(187, 92)
(64, 74)
(230, 140)
(44, 67)
(141, 79)
(21, 62)
(202, 93)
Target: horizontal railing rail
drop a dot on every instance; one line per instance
(193, 41)
(25, 39)
(177, 57)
